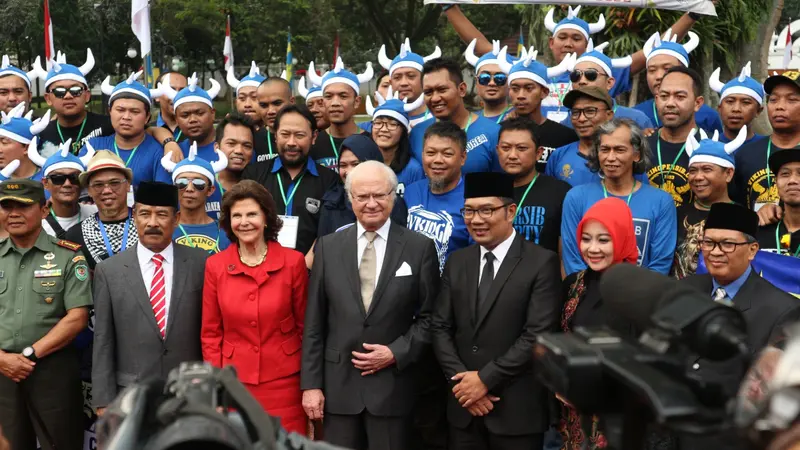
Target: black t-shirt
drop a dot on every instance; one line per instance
(264, 147)
(552, 135)
(306, 202)
(755, 183)
(325, 150)
(691, 224)
(667, 172)
(539, 216)
(768, 241)
(95, 125)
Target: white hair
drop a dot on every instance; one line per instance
(371, 167)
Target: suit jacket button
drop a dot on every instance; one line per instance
(474, 349)
(696, 366)
(252, 297)
(165, 352)
(252, 323)
(255, 349)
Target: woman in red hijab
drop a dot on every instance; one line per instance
(605, 237)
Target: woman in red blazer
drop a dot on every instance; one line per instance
(254, 302)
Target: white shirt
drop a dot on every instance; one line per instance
(499, 253)
(381, 238)
(148, 268)
(69, 222)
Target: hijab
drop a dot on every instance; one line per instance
(616, 216)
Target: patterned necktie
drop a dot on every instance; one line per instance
(366, 270)
(158, 295)
(720, 296)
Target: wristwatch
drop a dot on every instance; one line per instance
(30, 353)
(694, 16)
(167, 141)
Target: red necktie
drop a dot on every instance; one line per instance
(158, 295)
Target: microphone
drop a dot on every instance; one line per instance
(650, 300)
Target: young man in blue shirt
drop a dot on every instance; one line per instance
(444, 90)
(194, 111)
(741, 100)
(405, 76)
(492, 83)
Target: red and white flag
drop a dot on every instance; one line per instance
(787, 52)
(335, 49)
(49, 48)
(227, 50)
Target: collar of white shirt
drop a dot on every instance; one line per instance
(383, 231)
(145, 255)
(501, 250)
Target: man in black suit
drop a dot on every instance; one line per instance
(729, 245)
(496, 297)
(371, 288)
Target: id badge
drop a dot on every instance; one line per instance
(130, 197)
(557, 116)
(758, 206)
(288, 234)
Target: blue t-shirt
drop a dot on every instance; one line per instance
(568, 164)
(207, 237)
(560, 86)
(654, 222)
(411, 173)
(706, 117)
(496, 119)
(438, 216)
(207, 152)
(144, 160)
(366, 126)
(482, 135)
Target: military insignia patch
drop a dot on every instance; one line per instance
(69, 245)
(48, 300)
(81, 272)
(79, 258)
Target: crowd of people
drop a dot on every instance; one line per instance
(380, 284)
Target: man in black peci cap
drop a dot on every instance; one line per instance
(147, 308)
(496, 297)
(45, 296)
(729, 245)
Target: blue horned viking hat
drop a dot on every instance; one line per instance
(669, 46)
(406, 58)
(28, 77)
(20, 128)
(191, 93)
(595, 55)
(528, 68)
(713, 151)
(573, 22)
(253, 79)
(340, 75)
(60, 70)
(308, 93)
(489, 58)
(129, 86)
(743, 84)
(393, 107)
(194, 163)
(62, 159)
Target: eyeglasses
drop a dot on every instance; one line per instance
(61, 92)
(590, 113)
(197, 184)
(708, 245)
(390, 125)
(59, 179)
(486, 213)
(500, 79)
(366, 197)
(100, 186)
(590, 74)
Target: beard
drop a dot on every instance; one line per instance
(293, 162)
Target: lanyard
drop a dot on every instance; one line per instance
(525, 195)
(269, 143)
(672, 166)
(333, 146)
(107, 243)
(287, 201)
(80, 132)
(219, 183)
(503, 116)
(133, 152)
(769, 182)
(605, 192)
(178, 136)
(655, 114)
(469, 123)
(778, 240)
(191, 242)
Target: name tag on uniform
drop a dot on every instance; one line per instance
(288, 234)
(557, 116)
(47, 273)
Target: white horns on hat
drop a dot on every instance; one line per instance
(564, 66)
(549, 22)
(365, 76)
(437, 53)
(33, 152)
(61, 57)
(40, 124)
(166, 88)
(106, 86)
(368, 105)
(215, 88)
(652, 43)
(506, 66)
(315, 79)
(89, 154)
(33, 73)
(694, 41)
(192, 151)
(746, 72)
(301, 87)
(691, 142)
(89, 64)
(598, 26)
(469, 53)
(231, 78)
(714, 82)
(408, 107)
(384, 60)
(167, 163)
(37, 67)
(29, 115)
(703, 134)
(221, 163)
(734, 145)
(9, 169)
(15, 112)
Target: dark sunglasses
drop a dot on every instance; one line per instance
(59, 179)
(197, 184)
(590, 74)
(61, 92)
(499, 79)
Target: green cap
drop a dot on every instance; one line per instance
(21, 190)
(592, 92)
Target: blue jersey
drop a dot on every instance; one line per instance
(438, 216)
(559, 86)
(706, 117)
(208, 237)
(482, 135)
(144, 160)
(411, 173)
(366, 126)
(498, 118)
(206, 152)
(568, 164)
(654, 223)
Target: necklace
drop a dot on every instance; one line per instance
(260, 259)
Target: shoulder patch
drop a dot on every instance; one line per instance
(68, 245)
(79, 258)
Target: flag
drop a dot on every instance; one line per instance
(289, 58)
(227, 50)
(521, 43)
(140, 24)
(335, 49)
(49, 48)
(787, 51)
(780, 270)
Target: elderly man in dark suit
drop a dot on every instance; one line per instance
(370, 291)
(729, 245)
(148, 300)
(496, 297)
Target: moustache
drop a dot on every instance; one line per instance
(154, 232)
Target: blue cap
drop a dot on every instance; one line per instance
(528, 68)
(193, 163)
(7, 69)
(743, 84)
(488, 58)
(669, 46)
(129, 86)
(308, 93)
(339, 75)
(393, 107)
(573, 22)
(406, 58)
(62, 159)
(253, 79)
(595, 55)
(19, 128)
(191, 93)
(713, 151)
(60, 70)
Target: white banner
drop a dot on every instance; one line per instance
(698, 6)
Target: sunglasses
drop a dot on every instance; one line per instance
(590, 74)
(61, 92)
(60, 179)
(197, 184)
(499, 79)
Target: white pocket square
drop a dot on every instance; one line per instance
(403, 271)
